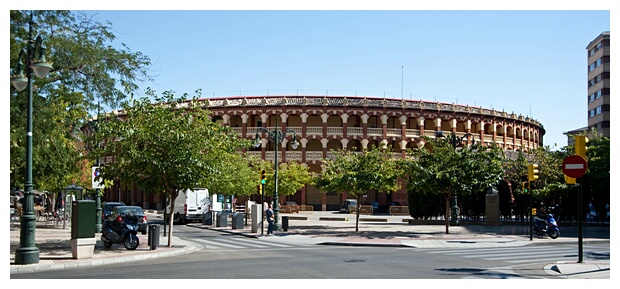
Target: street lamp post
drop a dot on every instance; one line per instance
(28, 253)
(455, 141)
(277, 137)
(98, 225)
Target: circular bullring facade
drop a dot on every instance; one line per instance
(325, 123)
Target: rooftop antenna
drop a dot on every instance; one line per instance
(402, 72)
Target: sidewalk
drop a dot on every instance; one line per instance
(326, 228)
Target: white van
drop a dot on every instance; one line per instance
(190, 205)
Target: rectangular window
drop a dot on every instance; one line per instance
(599, 110)
(591, 113)
(591, 97)
(599, 93)
(592, 66)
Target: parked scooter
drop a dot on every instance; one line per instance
(546, 227)
(123, 229)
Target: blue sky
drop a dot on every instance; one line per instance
(526, 57)
(531, 63)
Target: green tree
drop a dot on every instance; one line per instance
(166, 146)
(438, 168)
(233, 177)
(87, 70)
(292, 176)
(357, 173)
(597, 180)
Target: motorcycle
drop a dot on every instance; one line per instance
(123, 229)
(548, 227)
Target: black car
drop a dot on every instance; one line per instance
(131, 211)
(386, 208)
(108, 207)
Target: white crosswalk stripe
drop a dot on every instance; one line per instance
(239, 243)
(524, 254)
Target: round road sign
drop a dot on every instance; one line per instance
(574, 166)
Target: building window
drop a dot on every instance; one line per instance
(591, 113)
(599, 110)
(592, 97)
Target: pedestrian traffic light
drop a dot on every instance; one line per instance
(263, 177)
(580, 146)
(259, 189)
(532, 172)
(524, 187)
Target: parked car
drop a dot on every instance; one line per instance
(346, 205)
(386, 208)
(108, 207)
(290, 207)
(131, 211)
(375, 206)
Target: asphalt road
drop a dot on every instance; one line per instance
(225, 256)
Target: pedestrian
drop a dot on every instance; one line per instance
(270, 220)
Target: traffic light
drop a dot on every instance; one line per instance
(263, 177)
(524, 186)
(259, 189)
(580, 146)
(532, 172)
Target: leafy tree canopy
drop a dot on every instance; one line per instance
(438, 167)
(87, 70)
(168, 145)
(356, 173)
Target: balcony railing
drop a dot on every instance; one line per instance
(517, 142)
(375, 131)
(355, 131)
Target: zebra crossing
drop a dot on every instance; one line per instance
(516, 255)
(241, 243)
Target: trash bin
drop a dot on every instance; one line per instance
(237, 221)
(207, 218)
(222, 219)
(284, 223)
(153, 237)
(83, 215)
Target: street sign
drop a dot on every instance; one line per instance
(96, 180)
(574, 166)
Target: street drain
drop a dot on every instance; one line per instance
(354, 261)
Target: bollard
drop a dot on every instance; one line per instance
(284, 223)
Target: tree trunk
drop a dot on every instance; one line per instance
(447, 215)
(357, 213)
(170, 218)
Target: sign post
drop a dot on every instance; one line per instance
(576, 166)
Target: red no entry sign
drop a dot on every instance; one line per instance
(574, 166)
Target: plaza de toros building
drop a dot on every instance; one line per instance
(325, 123)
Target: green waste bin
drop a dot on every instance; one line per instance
(83, 215)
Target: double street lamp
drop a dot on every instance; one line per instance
(277, 137)
(456, 142)
(33, 55)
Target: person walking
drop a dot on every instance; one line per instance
(270, 221)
